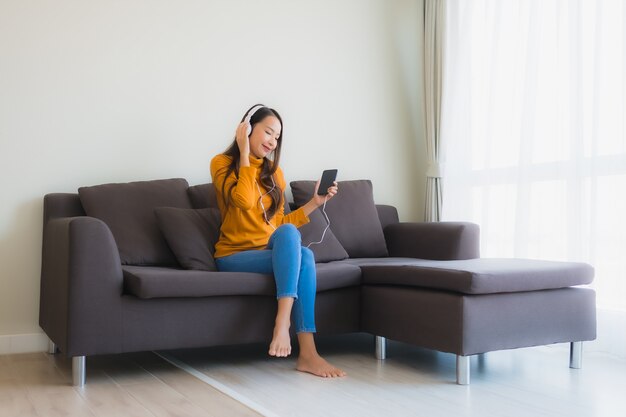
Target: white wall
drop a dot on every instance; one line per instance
(116, 91)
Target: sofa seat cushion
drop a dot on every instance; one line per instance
(161, 282)
(337, 274)
(475, 276)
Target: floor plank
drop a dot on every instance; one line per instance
(60, 403)
(164, 401)
(107, 399)
(212, 401)
(14, 401)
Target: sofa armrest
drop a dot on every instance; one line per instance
(81, 286)
(437, 240)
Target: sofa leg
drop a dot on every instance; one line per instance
(576, 355)
(462, 370)
(381, 348)
(52, 347)
(78, 371)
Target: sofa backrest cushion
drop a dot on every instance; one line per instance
(128, 210)
(330, 248)
(191, 234)
(387, 215)
(202, 196)
(353, 216)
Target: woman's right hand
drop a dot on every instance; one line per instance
(242, 139)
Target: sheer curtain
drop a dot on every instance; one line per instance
(434, 27)
(533, 110)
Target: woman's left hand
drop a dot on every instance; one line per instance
(319, 199)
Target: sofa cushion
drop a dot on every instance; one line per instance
(474, 276)
(337, 274)
(329, 249)
(202, 195)
(353, 216)
(191, 234)
(128, 210)
(160, 282)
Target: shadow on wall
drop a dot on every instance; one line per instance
(20, 258)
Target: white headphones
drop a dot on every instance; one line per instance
(249, 116)
(261, 195)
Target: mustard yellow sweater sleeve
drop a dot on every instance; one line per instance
(244, 193)
(296, 217)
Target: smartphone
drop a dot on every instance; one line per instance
(328, 178)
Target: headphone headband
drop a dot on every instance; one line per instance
(252, 111)
(249, 116)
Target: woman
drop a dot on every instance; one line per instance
(256, 235)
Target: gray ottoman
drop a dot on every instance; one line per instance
(468, 307)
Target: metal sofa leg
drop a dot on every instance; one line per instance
(78, 371)
(576, 355)
(52, 347)
(381, 348)
(462, 370)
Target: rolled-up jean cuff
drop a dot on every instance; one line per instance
(307, 330)
(289, 294)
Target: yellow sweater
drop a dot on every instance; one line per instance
(243, 224)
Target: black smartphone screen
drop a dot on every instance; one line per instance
(328, 177)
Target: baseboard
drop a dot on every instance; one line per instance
(23, 343)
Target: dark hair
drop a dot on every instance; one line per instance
(268, 167)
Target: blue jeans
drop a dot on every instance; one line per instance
(293, 267)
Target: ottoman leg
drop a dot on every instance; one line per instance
(381, 348)
(52, 347)
(576, 355)
(462, 370)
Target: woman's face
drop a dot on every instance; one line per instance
(264, 136)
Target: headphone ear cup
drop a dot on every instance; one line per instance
(249, 129)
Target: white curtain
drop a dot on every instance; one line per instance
(533, 128)
(434, 20)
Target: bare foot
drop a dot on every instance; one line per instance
(317, 365)
(281, 342)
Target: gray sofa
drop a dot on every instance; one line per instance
(110, 282)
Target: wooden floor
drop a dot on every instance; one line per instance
(410, 382)
(420, 382)
(130, 385)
